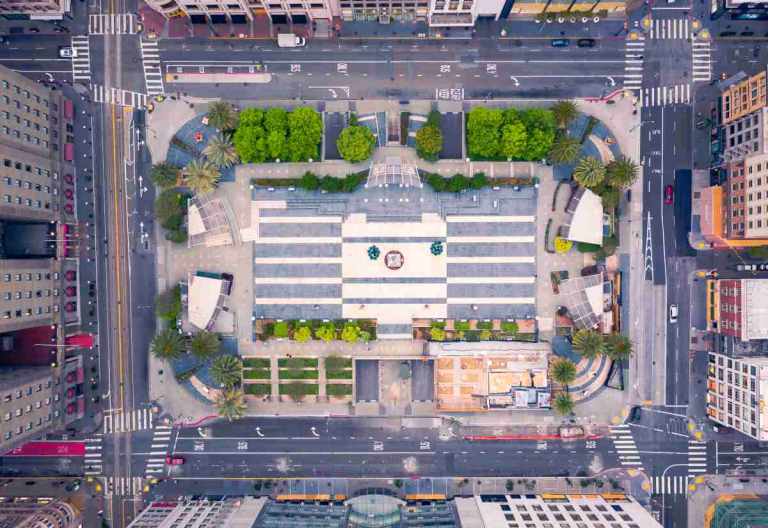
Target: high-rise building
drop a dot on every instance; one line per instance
(242, 11)
(35, 9)
(737, 388)
(736, 308)
(236, 512)
(36, 514)
(26, 402)
(743, 98)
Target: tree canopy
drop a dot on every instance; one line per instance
(278, 134)
(221, 115)
(497, 134)
(565, 112)
(204, 345)
(588, 343)
(429, 142)
(226, 370)
(168, 304)
(565, 149)
(231, 404)
(164, 174)
(563, 371)
(355, 143)
(589, 172)
(168, 344)
(563, 403)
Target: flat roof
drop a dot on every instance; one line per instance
(754, 293)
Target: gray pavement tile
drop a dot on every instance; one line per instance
(491, 270)
(490, 289)
(491, 311)
(459, 249)
(300, 230)
(296, 311)
(302, 291)
(297, 250)
(297, 270)
(491, 228)
(395, 280)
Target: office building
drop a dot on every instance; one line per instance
(243, 11)
(35, 9)
(27, 402)
(235, 512)
(736, 392)
(743, 98)
(736, 308)
(27, 513)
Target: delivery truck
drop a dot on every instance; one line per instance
(289, 40)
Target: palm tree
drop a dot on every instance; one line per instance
(563, 371)
(220, 151)
(564, 149)
(589, 172)
(168, 345)
(231, 404)
(565, 112)
(621, 172)
(618, 347)
(563, 403)
(164, 174)
(588, 343)
(204, 345)
(227, 370)
(201, 176)
(221, 115)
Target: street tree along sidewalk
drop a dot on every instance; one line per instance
(231, 404)
(167, 345)
(227, 370)
(355, 143)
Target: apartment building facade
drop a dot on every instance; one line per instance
(35, 9)
(736, 393)
(736, 308)
(243, 11)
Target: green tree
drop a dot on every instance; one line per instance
(618, 347)
(201, 176)
(305, 130)
(589, 172)
(563, 403)
(564, 112)
(281, 329)
(220, 151)
(221, 115)
(227, 370)
(588, 343)
(621, 172)
(478, 181)
(250, 144)
(251, 117)
(563, 371)
(437, 334)
(276, 120)
(429, 142)
(539, 143)
(565, 149)
(302, 334)
(350, 333)
(326, 332)
(168, 304)
(309, 181)
(758, 252)
(355, 143)
(276, 144)
(165, 175)
(514, 140)
(169, 208)
(167, 345)
(484, 132)
(538, 119)
(204, 345)
(231, 404)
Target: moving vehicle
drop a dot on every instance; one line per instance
(67, 52)
(560, 43)
(174, 460)
(586, 43)
(669, 194)
(634, 414)
(673, 313)
(289, 40)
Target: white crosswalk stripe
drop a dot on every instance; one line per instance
(665, 95)
(161, 438)
(124, 486)
(92, 461)
(670, 485)
(697, 457)
(136, 420)
(670, 29)
(113, 24)
(701, 59)
(153, 73)
(116, 96)
(81, 65)
(634, 51)
(625, 446)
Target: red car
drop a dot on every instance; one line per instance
(174, 461)
(669, 194)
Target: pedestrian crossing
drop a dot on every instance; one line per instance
(625, 446)
(113, 24)
(670, 485)
(153, 73)
(117, 96)
(81, 64)
(92, 461)
(634, 53)
(136, 420)
(124, 486)
(665, 95)
(158, 450)
(697, 457)
(701, 59)
(670, 28)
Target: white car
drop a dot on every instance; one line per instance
(673, 313)
(67, 52)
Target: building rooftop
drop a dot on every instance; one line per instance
(586, 222)
(205, 298)
(755, 309)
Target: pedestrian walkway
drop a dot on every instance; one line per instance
(153, 72)
(113, 24)
(670, 28)
(669, 485)
(665, 95)
(116, 96)
(634, 53)
(625, 446)
(697, 457)
(93, 462)
(81, 60)
(136, 420)
(124, 486)
(701, 58)
(158, 450)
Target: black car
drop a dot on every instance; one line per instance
(634, 414)
(586, 43)
(747, 33)
(727, 33)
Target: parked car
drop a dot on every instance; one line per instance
(592, 270)
(727, 33)
(560, 43)
(673, 313)
(586, 43)
(174, 460)
(746, 267)
(67, 52)
(634, 414)
(669, 194)
(762, 267)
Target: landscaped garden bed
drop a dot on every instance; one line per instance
(258, 389)
(338, 368)
(473, 331)
(312, 182)
(297, 390)
(351, 331)
(338, 390)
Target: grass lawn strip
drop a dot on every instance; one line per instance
(257, 389)
(256, 374)
(339, 374)
(338, 390)
(259, 363)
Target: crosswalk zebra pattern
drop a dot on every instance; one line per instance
(697, 457)
(701, 58)
(670, 28)
(153, 73)
(158, 450)
(113, 24)
(634, 51)
(136, 420)
(92, 461)
(665, 95)
(124, 486)
(625, 446)
(117, 96)
(81, 65)
(669, 485)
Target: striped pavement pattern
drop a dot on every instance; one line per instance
(113, 24)
(153, 73)
(701, 58)
(93, 462)
(665, 95)
(670, 28)
(625, 446)
(158, 450)
(669, 485)
(136, 420)
(124, 486)
(81, 65)
(118, 97)
(697, 457)
(634, 53)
